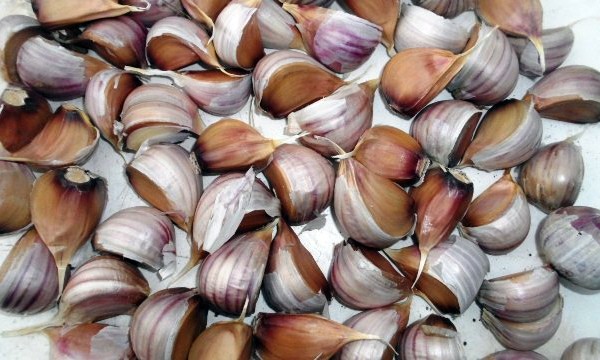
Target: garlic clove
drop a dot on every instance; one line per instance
(66, 207)
(223, 340)
(524, 336)
(444, 129)
(392, 153)
(521, 297)
(508, 135)
(28, 277)
(302, 336)
(263, 208)
(293, 282)
(362, 278)
(14, 31)
(65, 78)
(585, 348)
(388, 323)
(62, 13)
(433, 337)
(452, 274)
(321, 3)
(421, 28)
(383, 13)
(340, 41)
(570, 93)
(16, 182)
(175, 42)
(515, 355)
(165, 325)
(280, 78)
(142, 234)
(552, 178)
(229, 279)
(204, 11)
(104, 98)
(237, 36)
(446, 8)
(160, 93)
(498, 220)
(441, 201)
(168, 178)
(159, 9)
(277, 27)
(89, 341)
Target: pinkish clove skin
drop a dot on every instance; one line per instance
(515, 355)
(159, 9)
(278, 28)
(447, 8)
(380, 12)
(433, 337)
(89, 341)
(15, 30)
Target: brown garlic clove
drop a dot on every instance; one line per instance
(447, 8)
(433, 337)
(89, 341)
(14, 31)
(382, 12)
(16, 182)
(204, 11)
(277, 27)
(223, 340)
(159, 9)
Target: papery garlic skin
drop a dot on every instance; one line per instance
(433, 337)
(557, 42)
(446, 8)
(159, 9)
(515, 355)
(89, 341)
(14, 31)
(582, 349)
(381, 12)
(16, 182)
(277, 27)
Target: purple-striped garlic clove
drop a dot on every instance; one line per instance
(142, 234)
(236, 34)
(498, 220)
(570, 93)
(64, 78)
(452, 274)
(159, 9)
(321, 3)
(14, 31)
(362, 278)
(524, 336)
(16, 182)
(229, 279)
(421, 28)
(28, 277)
(176, 42)
(557, 43)
(89, 341)
(445, 128)
(293, 282)
(340, 41)
(223, 340)
(279, 81)
(491, 71)
(387, 322)
(383, 13)
(204, 11)
(433, 337)
(446, 8)
(165, 325)
(302, 180)
(104, 98)
(277, 27)
(509, 134)
(515, 355)
(168, 178)
(521, 297)
(585, 348)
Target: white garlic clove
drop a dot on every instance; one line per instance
(557, 43)
(159, 9)
(89, 341)
(582, 349)
(515, 355)
(277, 27)
(380, 12)
(16, 182)
(14, 31)
(433, 337)
(446, 8)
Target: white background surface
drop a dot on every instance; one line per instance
(581, 317)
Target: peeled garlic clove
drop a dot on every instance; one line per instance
(16, 181)
(232, 145)
(89, 341)
(369, 208)
(498, 220)
(14, 31)
(302, 336)
(175, 42)
(120, 40)
(383, 13)
(237, 36)
(302, 180)
(168, 178)
(62, 13)
(515, 355)
(392, 153)
(293, 281)
(552, 178)
(64, 78)
(452, 275)
(528, 335)
(223, 340)
(159, 9)
(446, 8)
(557, 44)
(521, 18)
(362, 278)
(104, 98)
(433, 337)
(277, 27)
(204, 11)
(569, 239)
(388, 323)
(570, 93)
(444, 129)
(421, 28)
(142, 234)
(508, 135)
(280, 78)
(66, 207)
(28, 277)
(441, 201)
(230, 278)
(521, 297)
(491, 71)
(586, 348)
(165, 325)
(338, 40)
